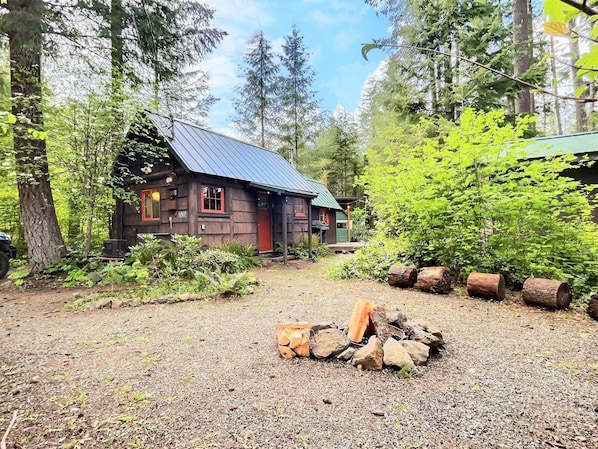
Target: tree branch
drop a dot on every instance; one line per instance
(583, 7)
(381, 45)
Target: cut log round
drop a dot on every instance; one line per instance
(293, 339)
(403, 277)
(546, 293)
(486, 285)
(434, 280)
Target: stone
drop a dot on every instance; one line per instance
(320, 326)
(117, 303)
(329, 342)
(347, 354)
(104, 303)
(396, 318)
(395, 355)
(419, 352)
(370, 356)
(416, 331)
(425, 338)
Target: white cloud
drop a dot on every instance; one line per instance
(321, 18)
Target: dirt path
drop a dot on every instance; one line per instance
(207, 374)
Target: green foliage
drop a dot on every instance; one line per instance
(248, 254)
(300, 248)
(468, 199)
(369, 262)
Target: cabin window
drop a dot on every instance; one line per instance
(323, 216)
(212, 199)
(150, 204)
(300, 207)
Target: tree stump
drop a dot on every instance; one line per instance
(403, 277)
(593, 308)
(546, 293)
(434, 280)
(486, 285)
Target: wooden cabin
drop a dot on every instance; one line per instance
(324, 209)
(214, 187)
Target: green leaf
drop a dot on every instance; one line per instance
(579, 91)
(366, 48)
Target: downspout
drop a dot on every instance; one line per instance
(285, 238)
(309, 249)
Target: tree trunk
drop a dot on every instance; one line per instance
(434, 280)
(485, 285)
(581, 116)
(523, 47)
(546, 293)
(404, 277)
(42, 234)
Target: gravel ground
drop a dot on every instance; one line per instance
(207, 374)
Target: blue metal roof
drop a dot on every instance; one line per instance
(210, 153)
(324, 198)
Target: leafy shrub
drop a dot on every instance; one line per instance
(218, 261)
(468, 199)
(369, 262)
(300, 248)
(247, 253)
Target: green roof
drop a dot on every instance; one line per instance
(324, 198)
(581, 143)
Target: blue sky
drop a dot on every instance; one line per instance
(333, 32)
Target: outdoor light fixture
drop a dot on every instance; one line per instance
(147, 169)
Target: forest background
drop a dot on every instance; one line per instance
(76, 73)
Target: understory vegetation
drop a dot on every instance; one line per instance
(158, 267)
(468, 197)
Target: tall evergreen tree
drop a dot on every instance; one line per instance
(340, 158)
(298, 103)
(254, 106)
(22, 22)
(449, 49)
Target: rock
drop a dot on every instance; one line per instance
(419, 352)
(185, 296)
(395, 355)
(396, 318)
(329, 342)
(320, 326)
(426, 338)
(117, 303)
(428, 327)
(347, 354)
(593, 308)
(105, 303)
(397, 333)
(370, 356)
(380, 323)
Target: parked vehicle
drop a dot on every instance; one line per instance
(7, 251)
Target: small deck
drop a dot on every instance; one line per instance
(346, 247)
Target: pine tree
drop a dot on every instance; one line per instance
(298, 103)
(254, 106)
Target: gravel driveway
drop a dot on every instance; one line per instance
(207, 374)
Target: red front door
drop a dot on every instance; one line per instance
(264, 222)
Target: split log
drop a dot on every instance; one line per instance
(486, 285)
(434, 280)
(360, 320)
(293, 339)
(546, 293)
(403, 277)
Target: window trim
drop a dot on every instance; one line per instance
(144, 194)
(302, 210)
(202, 199)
